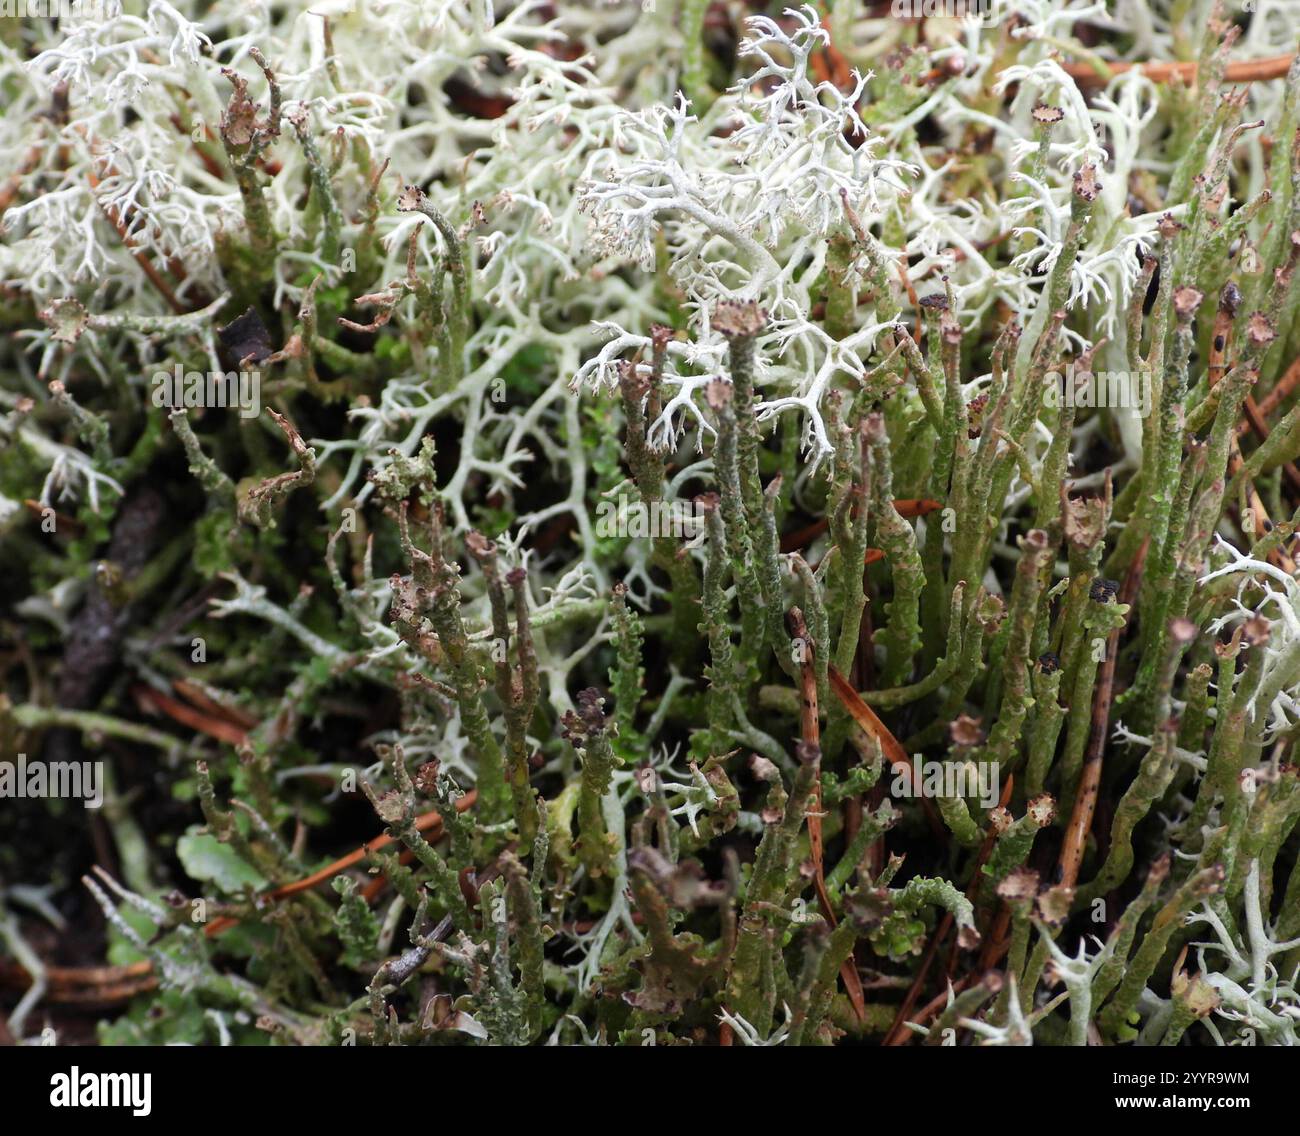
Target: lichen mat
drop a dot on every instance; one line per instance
(680, 523)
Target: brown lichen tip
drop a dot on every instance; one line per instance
(1210, 881)
(632, 380)
(591, 705)
(1054, 905)
(647, 780)
(426, 778)
(1260, 330)
(868, 908)
(1086, 184)
(1103, 591)
(1042, 809)
(1186, 300)
(965, 731)
(873, 428)
(1168, 227)
(479, 546)
(1255, 631)
(990, 612)
(1019, 887)
(807, 753)
(66, 318)
(239, 119)
(390, 807)
(795, 623)
(1230, 298)
(707, 502)
(1084, 519)
(1197, 996)
(739, 320)
(935, 302)
(411, 198)
(1045, 114)
(718, 393)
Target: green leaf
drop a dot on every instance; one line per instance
(205, 858)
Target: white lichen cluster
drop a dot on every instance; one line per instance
(593, 161)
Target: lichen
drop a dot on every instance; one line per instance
(708, 525)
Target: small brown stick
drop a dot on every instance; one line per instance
(958, 255)
(1085, 797)
(1246, 71)
(1220, 345)
(911, 295)
(810, 734)
(865, 717)
(11, 974)
(996, 942)
(900, 1035)
(62, 523)
(431, 820)
(939, 1001)
(146, 265)
(1254, 415)
(219, 728)
(195, 695)
(255, 505)
(91, 987)
(99, 997)
(986, 850)
(1271, 401)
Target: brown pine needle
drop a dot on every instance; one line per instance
(866, 717)
(431, 820)
(220, 728)
(810, 734)
(1246, 71)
